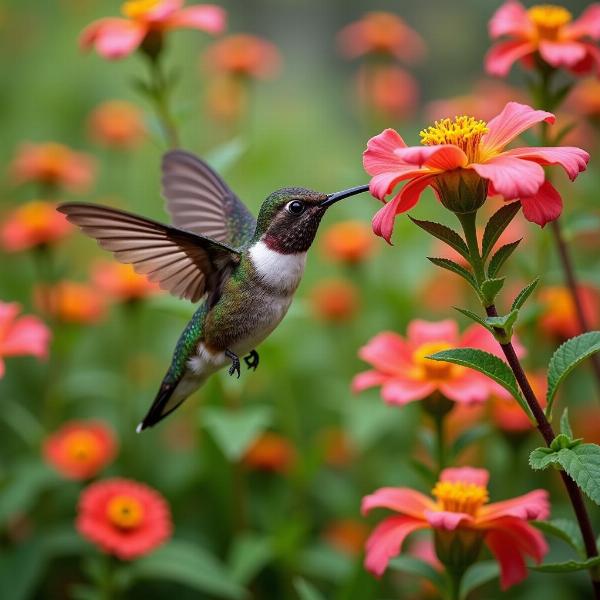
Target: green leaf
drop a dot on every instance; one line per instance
(306, 591)
(470, 436)
(502, 326)
(565, 426)
(225, 156)
(475, 317)
(477, 575)
(249, 554)
(582, 463)
(564, 529)
(415, 566)
(542, 457)
(524, 294)
(499, 221)
(450, 265)
(490, 289)
(500, 257)
(566, 358)
(445, 234)
(189, 565)
(485, 363)
(235, 431)
(567, 566)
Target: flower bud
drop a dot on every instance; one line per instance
(461, 190)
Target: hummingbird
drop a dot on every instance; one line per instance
(245, 270)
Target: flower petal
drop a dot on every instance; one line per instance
(28, 335)
(113, 38)
(401, 391)
(403, 500)
(512, 177)
(446, 520)
(206, 17)
(573, 160)
(544, 206)
(501, 57)
(367, 379)
(510, 19)
(534, 505)
(562, 54)
(466, 475)
(591, 61)
(386, 541)
(379, 156)
(383, 221)
(587, 25)
(387, 351)
(444, 157)
(514, 119)
(471, 388)
(421, 332)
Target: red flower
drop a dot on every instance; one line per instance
(461, 518)
(33, 224)
(334, 300)
(545, 30)
(464, 161)
(121, 282)
(116, 38)
(53, 164)
(123, 517)
(80, 449)
(21, 335)
(348, 242)
(117, 123)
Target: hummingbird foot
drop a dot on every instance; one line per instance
(235, 363)
(252, 360)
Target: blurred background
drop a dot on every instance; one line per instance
(263, 475)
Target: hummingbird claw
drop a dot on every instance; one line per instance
(235, 363)
(252, 360)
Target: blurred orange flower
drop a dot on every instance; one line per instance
(337, 446)
(121, 282)
(53, 165)
(71, 302)
(586, 422)
(33, 224)
(117, 124)
(116, 38)
(559, 318)
(335, 300)
(346, 535)
(381, 33)
(348, 242)
(80, 449)
(123, 517)
(270, 452)
(226, 98)
(585, 98)
(21, 336)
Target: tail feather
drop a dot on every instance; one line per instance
(162, 406)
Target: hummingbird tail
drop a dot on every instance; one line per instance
(161, 407)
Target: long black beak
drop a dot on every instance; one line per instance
(333, 198)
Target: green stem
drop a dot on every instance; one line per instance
(160, 97)
(440, 442)
(454, 587)
(468, 222)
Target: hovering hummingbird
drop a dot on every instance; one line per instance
(246, 270)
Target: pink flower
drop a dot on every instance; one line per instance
(466, 154)
(406, 375)
(546, 31)
(116, 38)
(460, 517)
(21, 335)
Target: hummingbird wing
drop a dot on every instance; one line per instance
(198, 200)
(185, 264)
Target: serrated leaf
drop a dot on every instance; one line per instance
(566, 358)
(474, 317)
(541, 458)
(500, 257)
(306, 591)
(499, 221)
(490, 289)
(524, 294)
(445, 234)
(567, 566)
(477, 575)
(564, 529)
(582, 463)
(565, 426)
(486, 363)
(450, 265)
(504, 322)
(416, 566)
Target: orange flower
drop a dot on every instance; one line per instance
(337, 446)
(558, 316)
(226, 98)
(381, 33)
(334, 300)
(54, 165)
(71, 302)
(586, 423)
(121, 282)
(346, 535)
(33, 224)
(117, 123)
(270, 452)
(80, 449)
(348, 242)
(585, 98)
(244, 55)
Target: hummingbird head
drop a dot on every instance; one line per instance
(289, 218)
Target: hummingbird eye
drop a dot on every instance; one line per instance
(296, 207)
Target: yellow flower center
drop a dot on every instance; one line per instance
(81, 446)
(459, 496)
(125, 512)
(136, 9)
(464, 132)
(549, 19)
(428, 369)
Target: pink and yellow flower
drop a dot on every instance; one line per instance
(405, 374)
(464, 160)
(20, 336)
(547, 31)
(115, 38)
(117, 124)
(462, 520)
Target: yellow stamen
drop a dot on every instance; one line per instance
(81, 446)
(464, 132)
(459, 496)
(135, 9)
(125, 512)
(549, 19)
(428, 369)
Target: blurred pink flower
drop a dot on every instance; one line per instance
(116, 38)
(405, 374)
(470, 154)
(545, 30)
(461, 518)
(19, 336)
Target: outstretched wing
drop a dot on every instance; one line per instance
(200, 201)
(181, 262)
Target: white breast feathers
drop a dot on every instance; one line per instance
(277, 270)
